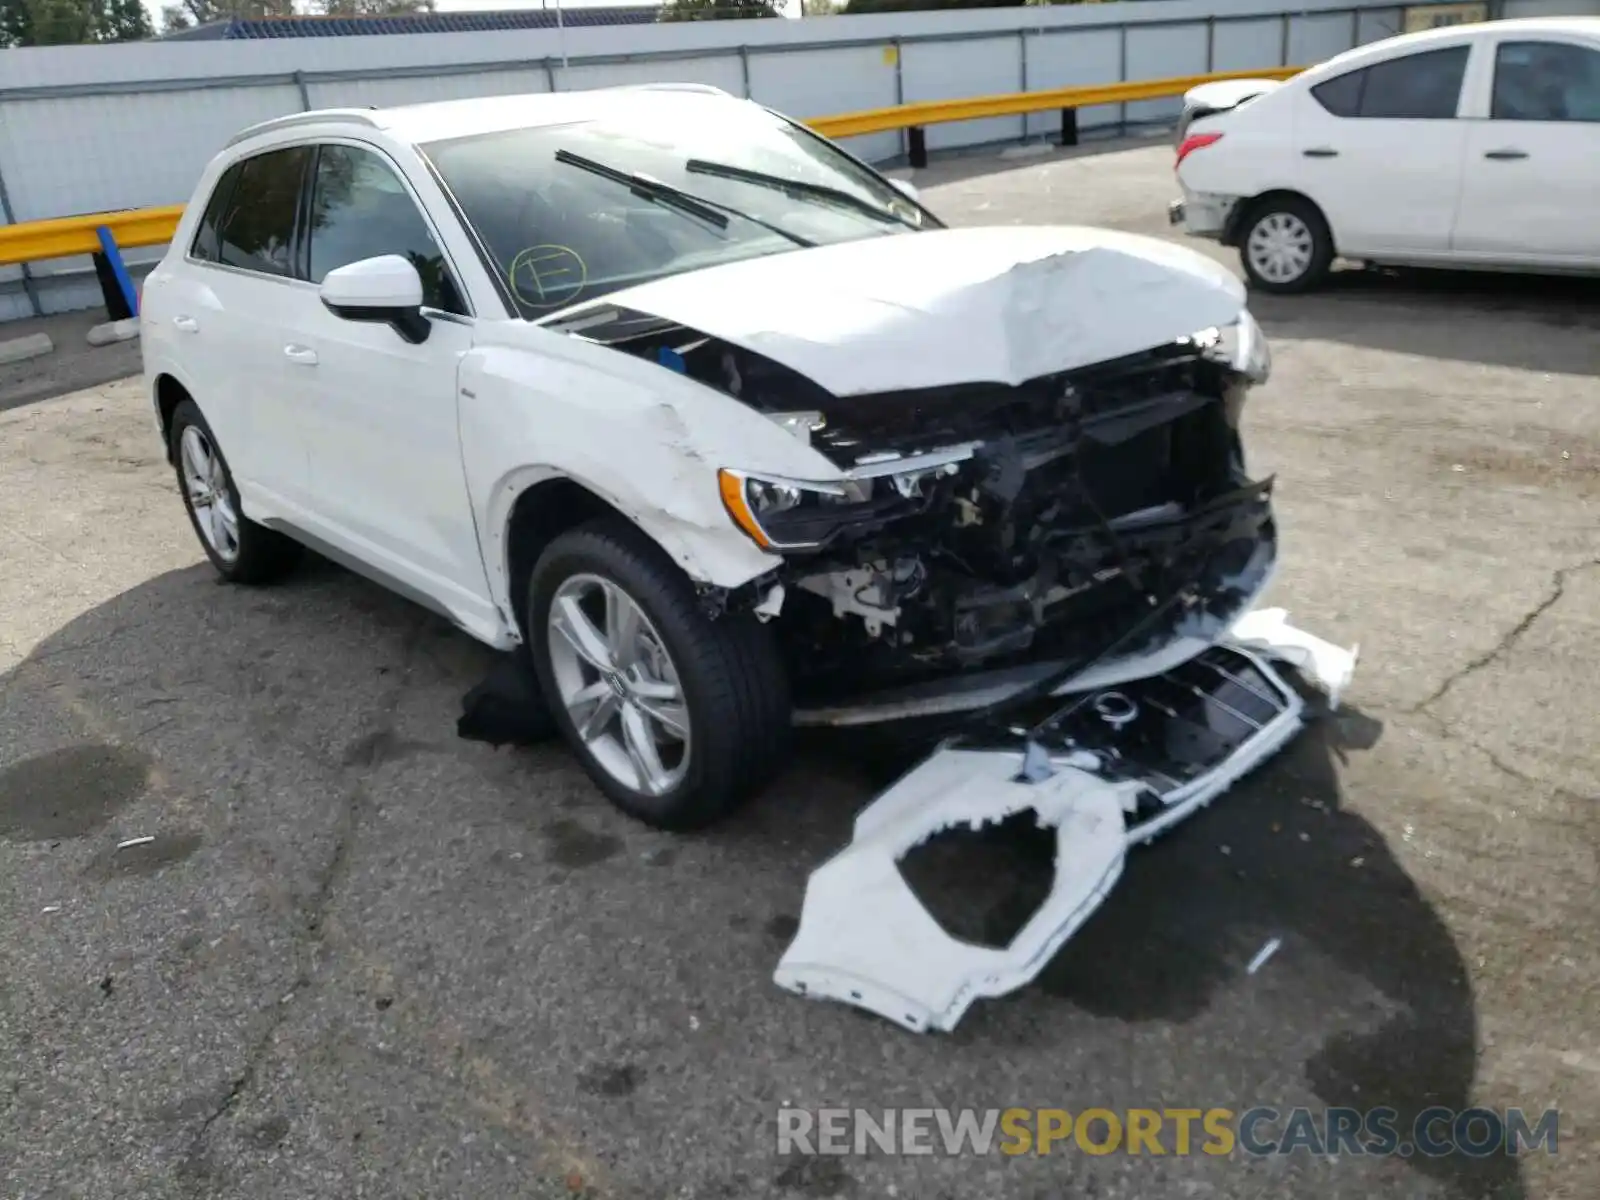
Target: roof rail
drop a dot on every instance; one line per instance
(360, 116)
(703, 88)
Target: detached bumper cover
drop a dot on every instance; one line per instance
(1109, 770)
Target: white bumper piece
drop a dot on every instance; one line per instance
(1103, 779)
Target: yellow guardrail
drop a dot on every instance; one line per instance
(65, 236)
(31, 241)
(938, 112)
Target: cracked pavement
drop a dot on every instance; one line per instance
(361, 958)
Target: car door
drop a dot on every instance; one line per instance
(1379, 149)
(1531, 177)
(221, 314)
(385, 447)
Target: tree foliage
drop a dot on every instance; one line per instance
(716, 10)
(879, 6)
(188, 13)
(71, 22)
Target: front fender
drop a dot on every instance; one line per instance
(537, 405)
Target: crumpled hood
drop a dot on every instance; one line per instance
(995, 305)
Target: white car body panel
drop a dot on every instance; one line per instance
(1411, 191)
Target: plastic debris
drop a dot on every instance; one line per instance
(132, 842)
(1266, 952)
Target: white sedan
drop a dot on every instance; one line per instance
(1471, 146)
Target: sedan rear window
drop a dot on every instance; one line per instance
(665, 184)
(1414, 87)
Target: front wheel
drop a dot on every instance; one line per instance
(1285, 245)
(676, 717)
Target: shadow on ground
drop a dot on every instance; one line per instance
(1279, 857)
(1420, 312)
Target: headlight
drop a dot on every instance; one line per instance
(788, 514)
(1244, 347)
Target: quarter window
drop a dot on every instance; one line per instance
(205, 238)
(360, 209)
(1545, 81)
(1415, 87)
(257, 227)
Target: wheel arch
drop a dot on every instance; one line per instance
(542, 511)
(1233, 230)
(168, 391)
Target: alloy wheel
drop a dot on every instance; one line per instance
(205, 480)
(619, 685)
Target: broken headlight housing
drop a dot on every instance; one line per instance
(1241, 346)
(789, 514)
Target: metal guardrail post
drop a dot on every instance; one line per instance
(28, 288)
(1122, 77)
(116, 285)
(900, 96)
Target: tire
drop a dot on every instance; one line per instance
(1285, 245)
(731, 689)
(240, 550)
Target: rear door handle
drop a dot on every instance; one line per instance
(187, 324)
(303, 355)
(1321, 152)
(1506, 155)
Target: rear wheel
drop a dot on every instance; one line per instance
(1285, 245)
(240, 550)
(675, 716)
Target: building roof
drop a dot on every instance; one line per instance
(237, 28)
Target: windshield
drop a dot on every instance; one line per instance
(570, 212)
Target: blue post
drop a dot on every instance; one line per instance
(108, 247)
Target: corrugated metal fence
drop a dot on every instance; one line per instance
(88, 129)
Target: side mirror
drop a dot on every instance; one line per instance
(906, 188)
(386, 289)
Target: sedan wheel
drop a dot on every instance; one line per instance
(619, 685)
(1286, 246)
(205, 480)
(1280, 247)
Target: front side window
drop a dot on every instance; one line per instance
(256, 231)
(1416, 87)
(1546, 81)
(360, 209)
(661, 184)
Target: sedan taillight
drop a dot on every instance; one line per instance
(1195, 141)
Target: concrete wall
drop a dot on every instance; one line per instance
(90, 128)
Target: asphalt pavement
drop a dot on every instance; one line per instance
(359, 957)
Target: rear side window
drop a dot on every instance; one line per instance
(205, 238)
(1415, 87)
(256, 232)
(1545, 81)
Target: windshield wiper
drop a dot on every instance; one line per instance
(712, 212)
(797, 187)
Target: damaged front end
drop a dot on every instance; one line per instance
(1056, 539)
(980, 530)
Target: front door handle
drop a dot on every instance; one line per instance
(302, 355)
(1321, 152)
(187, 324)
(1506, 155)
